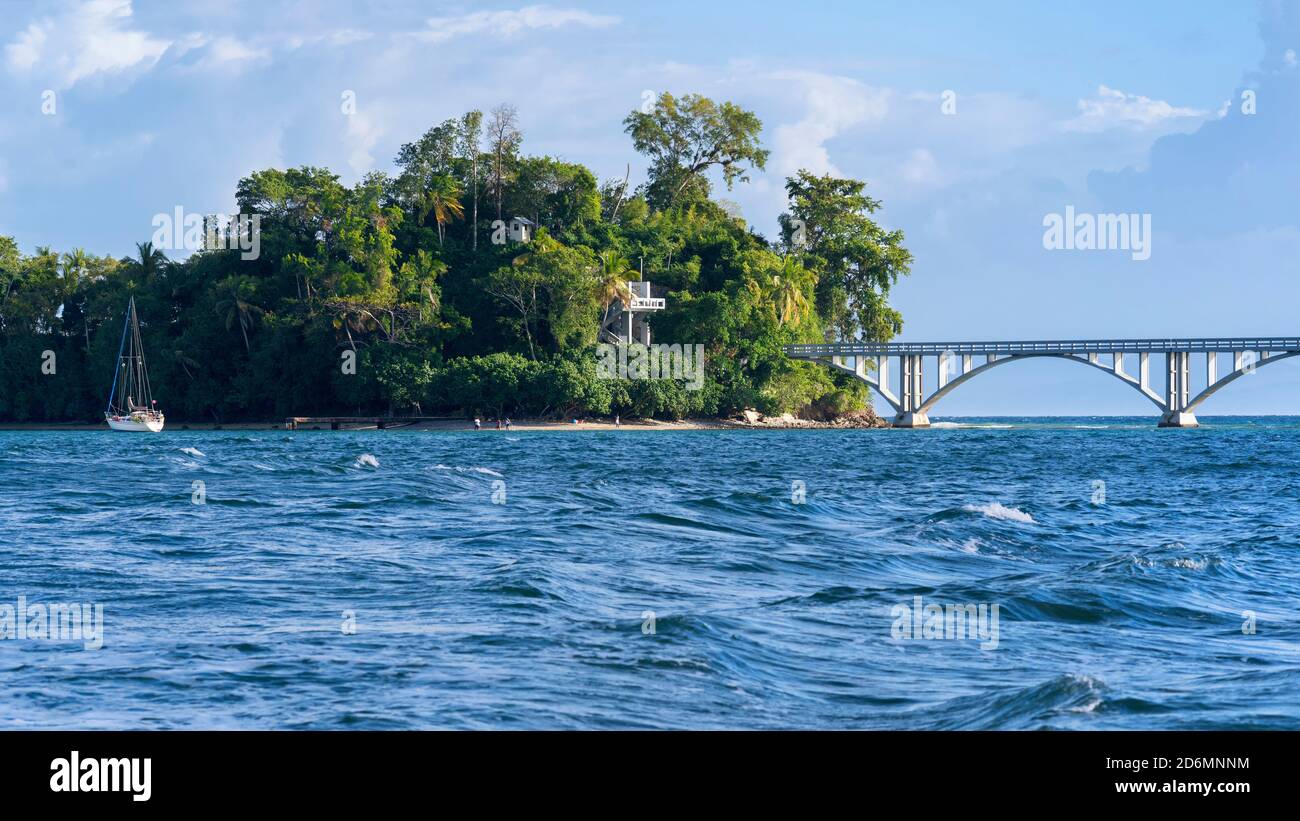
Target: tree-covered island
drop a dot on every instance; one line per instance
(444, 311)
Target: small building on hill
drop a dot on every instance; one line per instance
(521, 229)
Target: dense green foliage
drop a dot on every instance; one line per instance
(405, 274)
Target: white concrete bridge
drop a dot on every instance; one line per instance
(956, 364)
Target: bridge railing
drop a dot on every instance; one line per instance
(1098, 346)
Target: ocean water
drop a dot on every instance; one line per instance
(1143, 578)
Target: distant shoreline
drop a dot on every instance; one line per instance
(529, 425)
(448, 425)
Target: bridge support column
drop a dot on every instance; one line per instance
(1177, 390)
(1179, 419)
(910, 416)
(905, 382)
(912, 419)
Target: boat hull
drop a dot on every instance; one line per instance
(136, 425)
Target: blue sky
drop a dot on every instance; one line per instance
(1108, 107)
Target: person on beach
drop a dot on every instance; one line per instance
(507, 423)
(618, 422)
(477, 424)
(498, 423)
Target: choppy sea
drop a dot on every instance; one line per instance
(1110, 575)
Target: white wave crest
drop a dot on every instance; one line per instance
(366, 460)
(488, 471)
(192, 451)
(997, 510)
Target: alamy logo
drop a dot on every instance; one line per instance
(75, 774)
(1098, 232)
(180, 231)
(954, 621)
(53, 622)
(637, 361)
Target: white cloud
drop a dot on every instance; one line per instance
(509, 23)
(229, 50)
(86, 39)
(221, 52)
(362, 134)
(832, 106)
(23, 52)
(921, 168)
(1112, 108)
(338, 37)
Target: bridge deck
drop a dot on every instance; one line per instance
(1086, 346)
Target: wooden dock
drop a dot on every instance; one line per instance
(381, 422)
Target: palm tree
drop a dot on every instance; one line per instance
(615, 271)
(234, 300)
(152, 260)
(423, 270)
(791, 304)
(760, 295)
(75, 266)
(355, 316)
(443, 199)
(185, 361)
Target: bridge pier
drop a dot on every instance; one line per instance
(909, 414)
(1178, 380)
(911, 419)
(1178, 419)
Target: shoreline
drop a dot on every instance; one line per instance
(533, 425)
(527, 425)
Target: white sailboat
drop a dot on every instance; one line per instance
(131, 406)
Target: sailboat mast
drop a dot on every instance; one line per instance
(117, 366)
(142, 373)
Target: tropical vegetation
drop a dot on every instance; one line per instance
(406, 275)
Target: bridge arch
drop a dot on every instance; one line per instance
(1214, 388)
(930, 400)
(860, 374)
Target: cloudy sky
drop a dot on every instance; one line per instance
(1186, 111)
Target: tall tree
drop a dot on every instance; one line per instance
(685, 138)
(76, 268)
(855, 260)
(471, 136)
(504, 138)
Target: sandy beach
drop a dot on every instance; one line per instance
(489, 426)
(448, 425)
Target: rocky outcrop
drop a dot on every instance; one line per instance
(750, 418)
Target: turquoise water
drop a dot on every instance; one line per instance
(631, 579)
